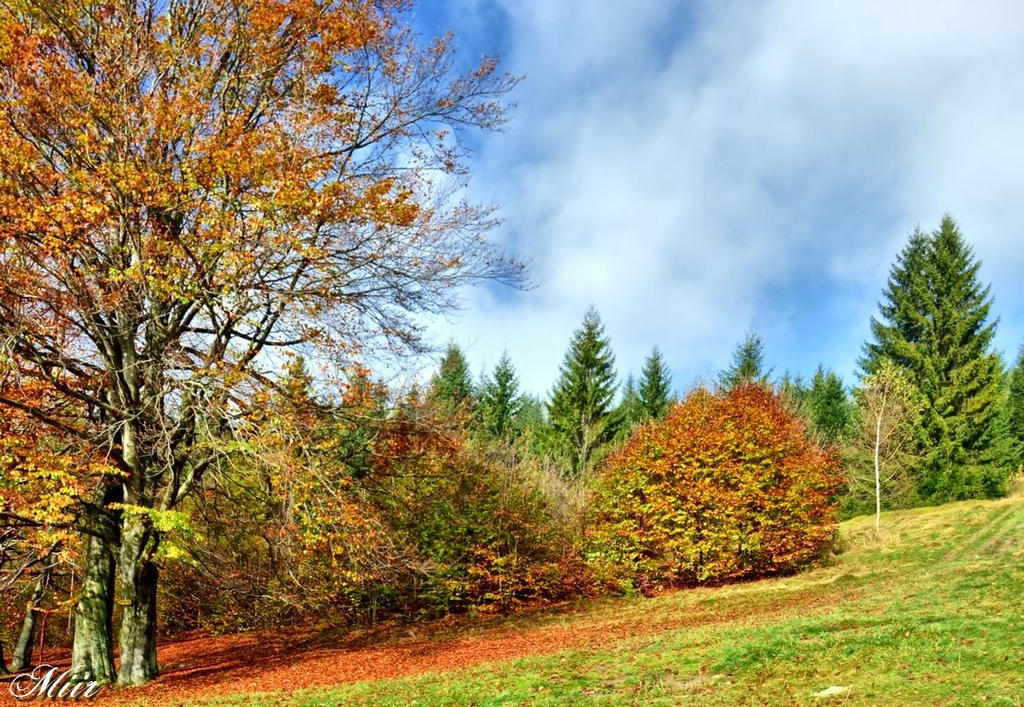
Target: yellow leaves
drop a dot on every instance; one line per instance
(43, 472)
(163, 521)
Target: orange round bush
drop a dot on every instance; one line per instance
(727, 486)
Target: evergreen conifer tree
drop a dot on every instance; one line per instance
(935, 325)
(830, 409)
(747, 364)
(452, 385)
(500, 402)
(1012, 419)
(655, 387)
(629, 411)
(297, 384)
(795, 394)
(532, 426)
(580, 404)
(900, 334)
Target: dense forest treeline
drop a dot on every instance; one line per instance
(934, 327)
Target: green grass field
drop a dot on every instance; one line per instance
(929, 612)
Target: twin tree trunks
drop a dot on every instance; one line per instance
(128, 559)
(139, 577)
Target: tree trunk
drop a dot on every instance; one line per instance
(3, 665)
(92, 652)
(878, 467)
(139, 577)
(878, 477)
(22, 657)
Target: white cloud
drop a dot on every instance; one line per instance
(696, 174)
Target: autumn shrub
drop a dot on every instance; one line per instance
(728, 486)
(420, 521)
(485, 521)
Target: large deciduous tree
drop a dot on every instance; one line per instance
(188, 185)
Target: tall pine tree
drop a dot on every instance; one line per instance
(452, 385)
(500, 402)
(655, 389)
(900, 334)
(532, 425)
(580, 405)
(747, 364)
(629, 411)
(795, 395)
(935, 325)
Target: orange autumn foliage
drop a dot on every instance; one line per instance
(728, 486)
(365, 513)
(191, 191)
(186, 186)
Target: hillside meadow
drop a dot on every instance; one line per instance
(928, 612)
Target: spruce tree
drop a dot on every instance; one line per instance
(900, 334)
(655, 387)
(629, 411)
(747, 364)
(500, 402)
(935, 325)
(1012, 419)
(297, 384)
(452, 386)
(830, 409)
(580, 404)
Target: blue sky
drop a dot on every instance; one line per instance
(698, 170)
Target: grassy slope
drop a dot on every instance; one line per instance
(933, 612)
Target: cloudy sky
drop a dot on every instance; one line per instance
(697, 170)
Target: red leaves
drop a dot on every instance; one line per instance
(727, 486)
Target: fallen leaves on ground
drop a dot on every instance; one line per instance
(200, 667)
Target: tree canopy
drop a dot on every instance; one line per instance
(189, 186)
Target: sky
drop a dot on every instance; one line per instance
(699, 170)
